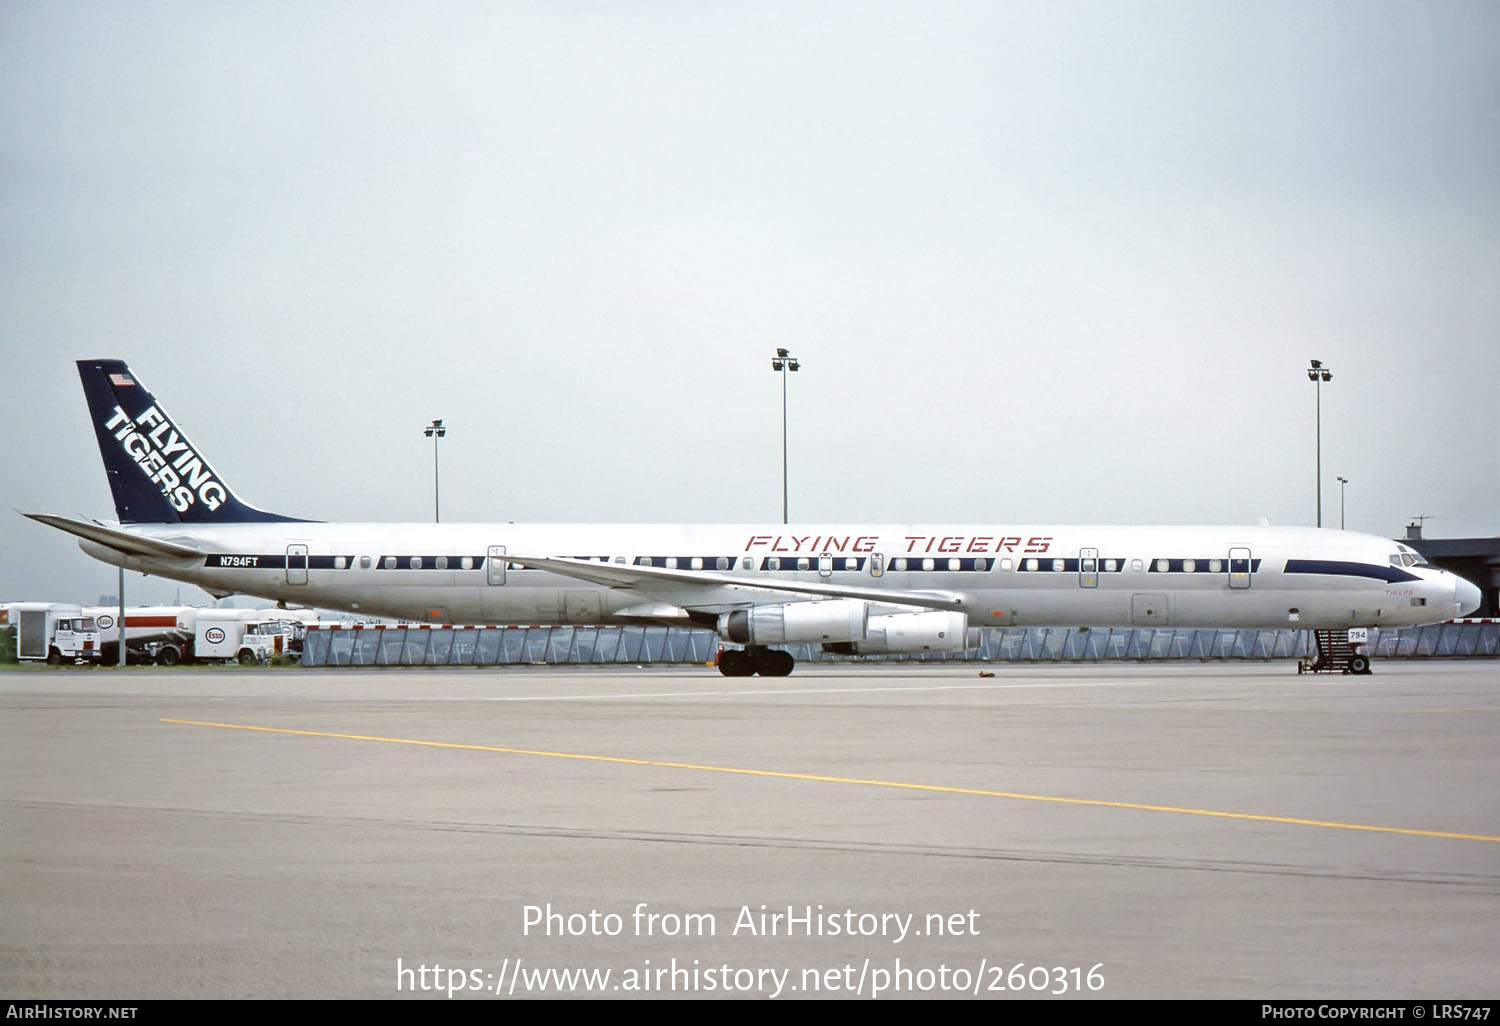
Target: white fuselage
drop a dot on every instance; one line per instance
(999, 575)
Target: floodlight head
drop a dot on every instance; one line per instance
(775, 363)
(781, 352)
(792, 364)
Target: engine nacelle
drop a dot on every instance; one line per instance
(834, 620)
(911, 632)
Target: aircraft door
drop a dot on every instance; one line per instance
(1088, 568)
(296, 564)
(494, 566)
(1239, 568)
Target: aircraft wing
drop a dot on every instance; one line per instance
(120, 540)
(696, 589)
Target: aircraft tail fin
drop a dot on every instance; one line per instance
(155, 474)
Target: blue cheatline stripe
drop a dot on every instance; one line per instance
(278, 561)
(1200, 565)
(1335, 568)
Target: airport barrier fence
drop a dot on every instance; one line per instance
(424, 645)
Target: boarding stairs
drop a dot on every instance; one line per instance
(1335, 654)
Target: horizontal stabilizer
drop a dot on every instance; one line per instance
(129, 543)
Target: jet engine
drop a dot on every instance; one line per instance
(829, 621)
(911, 632)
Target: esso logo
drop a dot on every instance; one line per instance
(213, 635)
(105, 622)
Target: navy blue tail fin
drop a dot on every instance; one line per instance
(155, 473)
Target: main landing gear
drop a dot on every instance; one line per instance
(746, 662)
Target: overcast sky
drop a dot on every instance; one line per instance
(1041, 262)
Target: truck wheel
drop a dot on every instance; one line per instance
(246, 658)
(1359, 664)
(168, 656)
(54, 658)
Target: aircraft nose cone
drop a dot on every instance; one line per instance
(1466, 595)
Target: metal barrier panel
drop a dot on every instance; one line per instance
(388, 645)
(606, 644)
(487, 652)
(559, 644)
(440, 646)
(315, 648)
(414, 652)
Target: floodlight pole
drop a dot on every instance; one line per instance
(1317, 374)
(434, 431)
(783, 362)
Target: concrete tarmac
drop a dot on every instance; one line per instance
(1119, 831)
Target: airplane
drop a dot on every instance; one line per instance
(851, 588)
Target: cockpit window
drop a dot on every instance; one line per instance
(1407, 557)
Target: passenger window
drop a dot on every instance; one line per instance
(415, 562)
(803, 563)
(1215, 566)
(467, 563)
(338, 562)
(1110, 566)
(364, 562)
(1032, 564)
(1006, 564)
(1057, 566)
(774, 563)
(1189, 566)
(722, 563)
(899, 565)
(442, 562)
(851, 564)
(696, 563)
(1163, 565)
(390, 562)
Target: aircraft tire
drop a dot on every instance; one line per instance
(734, 662)
(774, 663)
